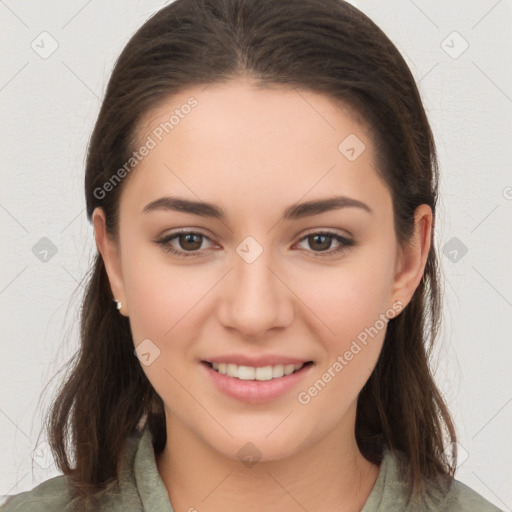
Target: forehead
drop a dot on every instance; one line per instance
(249, 111)
(236, 139)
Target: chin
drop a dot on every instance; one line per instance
(254, 441)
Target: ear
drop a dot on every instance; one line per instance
(412, 257)
(110, 252)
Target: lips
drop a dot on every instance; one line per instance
(251, 384)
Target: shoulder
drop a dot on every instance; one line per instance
(458, 497)
(391, 492)
(58, 494)
(462, 498)
(53, 495)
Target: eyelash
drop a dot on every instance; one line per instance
(164, 243)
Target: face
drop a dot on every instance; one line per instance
(292, 265)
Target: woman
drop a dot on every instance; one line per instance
(262, 182)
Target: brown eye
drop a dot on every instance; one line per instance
(320, 242)
(185, 243)
(325, 243)
(190, 241)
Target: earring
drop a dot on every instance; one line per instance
(119, 304)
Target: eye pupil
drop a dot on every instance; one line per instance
(321, 242)
(190, 241)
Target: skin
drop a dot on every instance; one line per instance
(254, 152)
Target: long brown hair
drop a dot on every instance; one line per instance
(325, 46)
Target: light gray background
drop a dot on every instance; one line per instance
(49, 105)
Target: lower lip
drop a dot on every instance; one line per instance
(256, 391)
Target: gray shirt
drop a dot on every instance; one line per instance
(140, 488)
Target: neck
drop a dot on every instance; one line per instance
(330, 474)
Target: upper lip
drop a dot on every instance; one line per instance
(256, 361)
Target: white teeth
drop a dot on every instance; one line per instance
(263, 373)
(289, 369)
(245, 372)
(256, 373)
(232, 370)
(277, 371)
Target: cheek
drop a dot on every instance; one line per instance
(351, 306)
(163, 301)
(168, 305)
(349, 297)
(159, 294)
(354, 308)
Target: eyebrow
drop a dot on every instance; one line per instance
(293, 212)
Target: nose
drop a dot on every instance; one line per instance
(255, 299)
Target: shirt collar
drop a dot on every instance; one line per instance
(151, 488)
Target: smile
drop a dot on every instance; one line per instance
(256, 380)
(256, 373)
